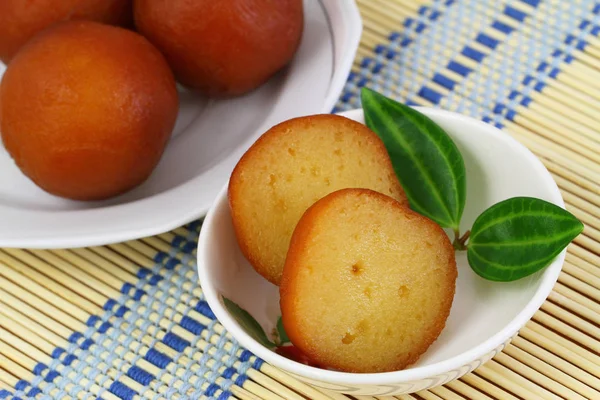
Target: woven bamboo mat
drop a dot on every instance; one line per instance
(128, 321)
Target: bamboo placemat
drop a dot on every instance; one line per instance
(129, 321)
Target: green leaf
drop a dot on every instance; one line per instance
(519, 236)
(427, 162)
(248, 323)
(283, 337)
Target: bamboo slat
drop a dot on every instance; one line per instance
(47, 295)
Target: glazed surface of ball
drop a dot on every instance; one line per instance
(222, 48)
(86, 109)
(292, 166)
(367, 284)
(20, 20)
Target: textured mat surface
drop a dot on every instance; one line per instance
(128, 321)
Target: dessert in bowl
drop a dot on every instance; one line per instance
(485, 315)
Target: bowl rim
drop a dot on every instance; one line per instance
(547, 281)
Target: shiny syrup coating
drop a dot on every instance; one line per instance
(222, 48)
(86, 109)
(20, 20)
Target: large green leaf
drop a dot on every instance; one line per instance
(248, 323)
(519, 236)
(427, 162)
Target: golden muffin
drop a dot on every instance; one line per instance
(367, 284)
(290, 167)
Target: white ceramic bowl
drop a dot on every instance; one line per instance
(485, 315)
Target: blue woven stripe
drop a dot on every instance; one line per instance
(552, 71)
(175, 342)
(502, 27)
(33, 392)
(122, 391)
(159, 257)
(86, 344)
(203, 308)
(240, 380)
(177, 241)
(109, 305)
(434, 96)
(482, 106)
(157, 358)
(578, 43)
(130, 290)
(224, 396)
(154, 279)
(195, 225)
(211, 389)
(545, 70)
(514, 13)
(121, 311)
(104, 327)
(228, 373)
(189, 247)
(487, 40)
(39, 368)
(92, 320)
(245, 356)
(171, 263)
(444, 81)
(430, 94)
(458, 68)
(56, 353)
(51, 375)
(143, 272)
(81, 343)
(75, 336)
(192, 325)
(473, 54)
(257, 364)
(140, 376)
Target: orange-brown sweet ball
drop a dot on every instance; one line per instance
(22, 19)
(222, 48)
(86, 109)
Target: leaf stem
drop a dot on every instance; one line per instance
(459, 241)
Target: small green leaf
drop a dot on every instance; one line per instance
(283, 337)
(519, 236)
(248, 323)
(427, 162)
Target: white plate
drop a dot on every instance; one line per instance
(209, 138)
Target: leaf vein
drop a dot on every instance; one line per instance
(511, 267)
(540, 240)
(444, 155)
(514, 215)
(415, 159)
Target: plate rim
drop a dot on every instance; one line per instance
(340, 71)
